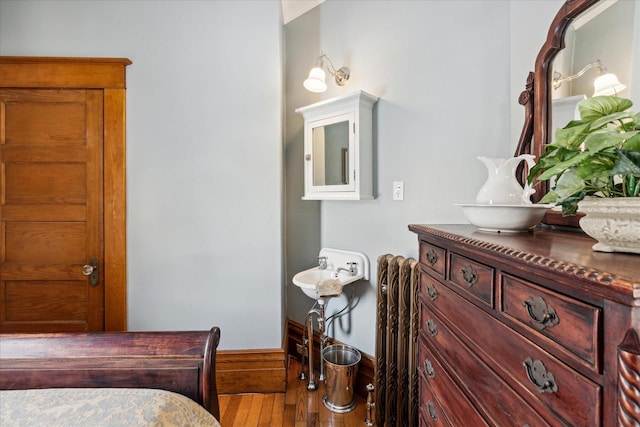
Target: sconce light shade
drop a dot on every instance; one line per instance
(607, 84)
(315, 82)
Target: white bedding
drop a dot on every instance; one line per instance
(99, 407)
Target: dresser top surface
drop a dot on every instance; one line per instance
(565, 252)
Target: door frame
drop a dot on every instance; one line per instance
(107, 74)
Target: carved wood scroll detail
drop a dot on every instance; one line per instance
(629, 380)
(524, 143)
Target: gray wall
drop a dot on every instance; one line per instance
(443, 73)
(205, 144)
(529, 23)
(204, 158)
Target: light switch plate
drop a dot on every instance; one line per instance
(398, 190)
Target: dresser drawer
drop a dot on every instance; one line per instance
(473, 279)
(457, 408)
(433, 257)
(431, 413)
(428, 288)
(501, 404)
(570, 323)
(526, 367)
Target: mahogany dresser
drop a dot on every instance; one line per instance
(527, 329)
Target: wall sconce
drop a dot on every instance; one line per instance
(316, 80)
(605, 84)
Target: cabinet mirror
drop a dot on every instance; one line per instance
(330, 154)
(338, 148)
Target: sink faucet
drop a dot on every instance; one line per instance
(322, 262)
(351, 271)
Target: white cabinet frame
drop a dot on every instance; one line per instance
(357, 110)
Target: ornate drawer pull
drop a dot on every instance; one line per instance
(432, 411)
(431, 326)
(431, 257)
(432, 292)
(428, 368)
(469, 274)
(544, 381)
(542, 315)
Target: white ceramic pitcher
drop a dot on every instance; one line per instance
(502, 187)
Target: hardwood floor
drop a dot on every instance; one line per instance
(297, 407)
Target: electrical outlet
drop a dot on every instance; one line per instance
(398, 190)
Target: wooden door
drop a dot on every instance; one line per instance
(51, 215)
(104, 80)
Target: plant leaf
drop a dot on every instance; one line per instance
(570, 204)
(560, 167)
(633, 143)
(550, 197)
(568, 184)
(568, 191)
(551, 156)
(610, 118)
(599, 106)
(628, 163)
(598, 155)
(603, 139)
(596, 166)
(632, 185)
(572, 135)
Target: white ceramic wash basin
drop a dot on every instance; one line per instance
(307, 279)
(335, 258)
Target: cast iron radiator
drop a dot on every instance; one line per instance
(396, 376)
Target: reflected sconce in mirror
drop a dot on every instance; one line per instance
(316, 80)
(605, 84)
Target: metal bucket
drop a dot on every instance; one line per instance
(341, 367)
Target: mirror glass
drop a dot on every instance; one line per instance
(570, 36)
(604, 32)
(330, 154)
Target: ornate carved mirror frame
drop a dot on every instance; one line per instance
(536, 98)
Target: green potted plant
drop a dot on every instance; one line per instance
(595, 160)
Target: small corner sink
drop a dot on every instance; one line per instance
(306, 280)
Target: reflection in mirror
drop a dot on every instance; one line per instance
(539, 126)
(602, 33)
(331, 154)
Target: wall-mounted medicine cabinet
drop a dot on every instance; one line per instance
(338, 148)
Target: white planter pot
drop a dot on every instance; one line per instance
(613, 222)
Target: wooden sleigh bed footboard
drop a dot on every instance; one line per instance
(182, 362)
